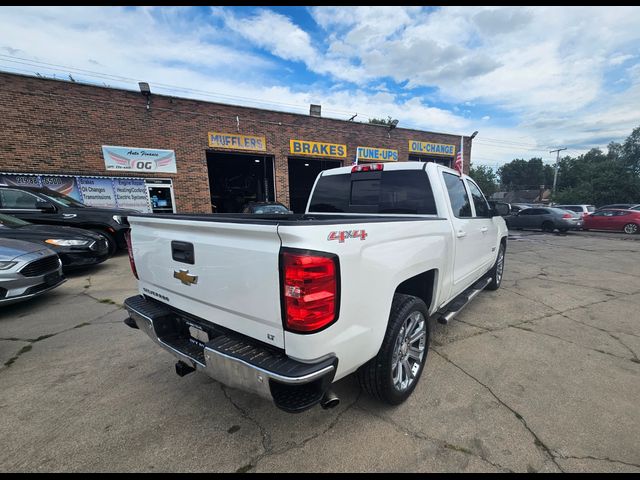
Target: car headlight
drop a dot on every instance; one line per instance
(6, 265)
(117, 219)
(66, 243)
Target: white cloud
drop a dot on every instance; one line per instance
(542, 68)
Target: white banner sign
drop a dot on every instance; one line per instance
(148, 160)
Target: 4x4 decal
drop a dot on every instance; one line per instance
(345, 234)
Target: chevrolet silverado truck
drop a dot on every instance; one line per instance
(285, 305)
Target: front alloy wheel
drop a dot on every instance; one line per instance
(630, 228)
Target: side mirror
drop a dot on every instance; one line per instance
(46, 207)
(500, 209)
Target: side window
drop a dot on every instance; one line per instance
(17, 199)
(482, 207)
(457, 196)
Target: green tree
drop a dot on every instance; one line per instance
(381, 121)
(598, 178)
(485, 177)
(521, 174)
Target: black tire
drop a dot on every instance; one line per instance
(498, 267)
(111, 241)
(548, 227)
(630, 228)
(375, 376)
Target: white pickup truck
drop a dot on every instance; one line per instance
(283, 306)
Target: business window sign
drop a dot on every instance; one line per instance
(431, 148)
(377, 154)
(150, 160)
(237, 142)
(317, 149)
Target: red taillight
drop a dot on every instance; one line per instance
(132, 262)
(375, 167)
(310, 290)
(567, 215)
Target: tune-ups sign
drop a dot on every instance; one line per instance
(127, 159)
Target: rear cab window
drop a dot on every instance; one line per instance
(458, 196)
(381, 192)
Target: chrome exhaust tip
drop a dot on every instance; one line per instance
(329, 400)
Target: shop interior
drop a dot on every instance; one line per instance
(237, 179)
(302, 175)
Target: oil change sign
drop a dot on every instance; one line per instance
(317, 149)
(416, 146)
(139, 159)
(237, 142)
(377, 154)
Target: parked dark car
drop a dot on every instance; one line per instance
(26, 270)
(48, 207)
(627, 221)
(546, 218)
(625, 206)
(75, 247)
(267, 208)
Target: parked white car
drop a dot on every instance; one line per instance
(285, 305)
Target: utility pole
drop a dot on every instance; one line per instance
(555, 171)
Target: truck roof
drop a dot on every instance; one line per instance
(393, 166)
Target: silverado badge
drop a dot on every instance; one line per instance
(185, 277)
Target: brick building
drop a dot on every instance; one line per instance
(82, 139)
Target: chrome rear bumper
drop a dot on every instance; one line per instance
(234, 360)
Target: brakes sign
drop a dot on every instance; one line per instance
(346, 234)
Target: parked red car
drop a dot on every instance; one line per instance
(627, 221)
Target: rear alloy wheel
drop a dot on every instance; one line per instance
(547, 227)
(394, 372)
(631, 228)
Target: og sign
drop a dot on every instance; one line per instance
(150, 160)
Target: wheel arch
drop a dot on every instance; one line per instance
(422, 286)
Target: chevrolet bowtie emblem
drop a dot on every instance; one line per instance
(184, 277)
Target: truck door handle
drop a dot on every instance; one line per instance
(484, 229)
(461, 233)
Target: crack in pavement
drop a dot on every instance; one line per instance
(537, 441)
(32, 341)
(439, 442)
(268, 448)
(635, 360)
(266, 438)
(605, 459)
(611, 334)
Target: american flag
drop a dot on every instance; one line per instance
(458, 163)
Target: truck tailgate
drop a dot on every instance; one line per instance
(233, 281)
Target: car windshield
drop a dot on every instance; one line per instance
(61, 199)
(591, 208)
(8, 221)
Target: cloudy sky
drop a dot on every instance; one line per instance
(529, 79)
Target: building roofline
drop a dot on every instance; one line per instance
(121, 89)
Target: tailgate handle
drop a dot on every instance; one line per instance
(182, 252)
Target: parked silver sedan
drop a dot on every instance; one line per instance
(26, 270)
(546, 218)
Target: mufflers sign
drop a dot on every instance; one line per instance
(237, 142)
(317, 149)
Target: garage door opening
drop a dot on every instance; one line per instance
(446, 161)
(302, 175)
(235, 180)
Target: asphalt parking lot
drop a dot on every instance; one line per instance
(541, 375)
